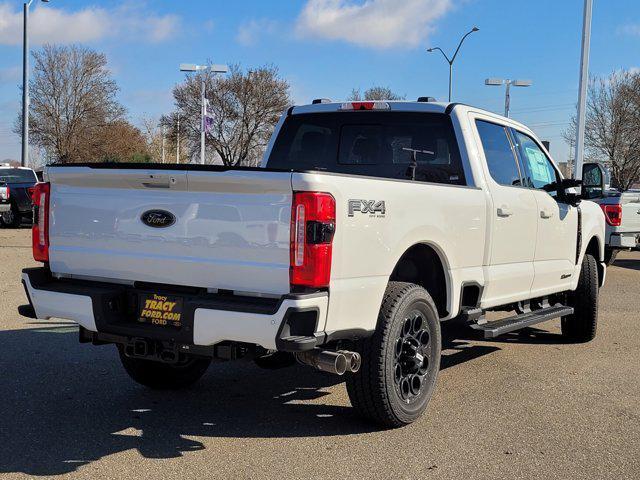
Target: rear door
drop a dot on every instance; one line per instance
(512, 225)
(225, 229)
(557, 234)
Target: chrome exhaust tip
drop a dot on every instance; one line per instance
(354, 360)
(325, 361)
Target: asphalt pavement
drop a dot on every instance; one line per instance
(525, 406)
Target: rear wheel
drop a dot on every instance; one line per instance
(401, 361)
(610, 255)
(581, 325)
(164, 376)
(11, 218)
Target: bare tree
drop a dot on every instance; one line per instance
(244, 107)
(73, 97)
(612, 127)
(374, 93)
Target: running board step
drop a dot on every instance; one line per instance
(506, 325)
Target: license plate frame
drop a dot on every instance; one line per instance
(160, 309)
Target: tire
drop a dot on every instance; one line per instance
(610, 255)
(11, 218)
(581, 325)
(163, 376)
(383, 391)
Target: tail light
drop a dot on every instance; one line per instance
(31, 191)
(612, 214)
(313, 223)
(40, 230)
(8, 192)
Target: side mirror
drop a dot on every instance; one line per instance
(593, 181)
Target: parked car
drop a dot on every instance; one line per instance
(622, 215)
(20, 182)
(5, 203)
(369, 224)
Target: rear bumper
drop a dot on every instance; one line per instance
(625, 240)
(209, 319)
(5, 207)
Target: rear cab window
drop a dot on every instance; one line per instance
(17, 175)
(377, 144)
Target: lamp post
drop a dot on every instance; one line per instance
(453, 58)
(507, 94)
(24, 160)
(582, 95)
(189, 67)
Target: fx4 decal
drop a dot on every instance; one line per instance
(371, 207)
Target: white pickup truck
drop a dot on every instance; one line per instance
(368, 225)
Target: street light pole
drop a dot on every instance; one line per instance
(203, 114)
(453, 58)
(24, 160)
(582, 95)
(496, 82)
(188, 67)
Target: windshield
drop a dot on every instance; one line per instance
(17, 175)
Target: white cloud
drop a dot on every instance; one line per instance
(630, 29)
(249, 32)
(56, 25)
(372, 23)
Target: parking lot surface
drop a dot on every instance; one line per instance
(524, 406)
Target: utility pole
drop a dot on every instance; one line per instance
(582, 93)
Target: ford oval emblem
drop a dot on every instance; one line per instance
(158, 218)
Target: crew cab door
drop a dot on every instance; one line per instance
(556, 237)
(512, 221)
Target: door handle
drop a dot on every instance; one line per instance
(504, 211)
(546, 214)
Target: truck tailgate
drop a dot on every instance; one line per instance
(630, 212)
(231, 228)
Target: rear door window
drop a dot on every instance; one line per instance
(379, 144)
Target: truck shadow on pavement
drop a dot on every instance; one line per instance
(65, 405)
(627, 263)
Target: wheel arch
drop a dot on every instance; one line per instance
(425, 264)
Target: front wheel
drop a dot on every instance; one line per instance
(164, 376)
(401, 361)
(581, 325)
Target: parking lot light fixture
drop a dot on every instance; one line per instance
(453, 58)
(192, 67)
(496, 82)
(24, 161)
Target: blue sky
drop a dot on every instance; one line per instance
(327, 47)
